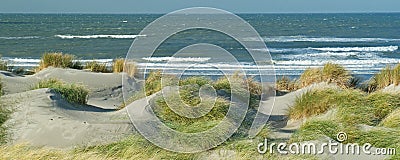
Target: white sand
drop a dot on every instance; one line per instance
(42, 118)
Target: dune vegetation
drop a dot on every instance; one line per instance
(4, 115)
(73, 93)
(95, 66)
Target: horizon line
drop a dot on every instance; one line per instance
(355, 12)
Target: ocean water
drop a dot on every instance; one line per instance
(363, 43)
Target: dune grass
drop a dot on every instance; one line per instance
(71, 92)
(3, 65)
(384, 78)
(129, 67)
(286, 84)
(330, 73)
(315, 129)
(95, 66)
(4, 116)
(313, 103)
(319, 101)
(392, 120)
(153, 82)
(58, 60)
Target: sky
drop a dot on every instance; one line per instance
(165, 6)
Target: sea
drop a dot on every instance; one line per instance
(364, 43)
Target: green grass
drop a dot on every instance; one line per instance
(384, 78)
(153, 82)
(392, 120)
(317, 102)
(330, 73)
(58, 60)
(95, 66)
(4, 116)
(314, 130)
(71, 92)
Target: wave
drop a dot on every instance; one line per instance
(365, 62)
(177, 59)
(98, 36)
(360, 49)
(25, 37)
(319, 39)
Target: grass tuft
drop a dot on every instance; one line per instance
(313, 103)
(315, 129)
(392, 120)
(57, 60)
(330, 73)
(71, 92)
(285, 84)
(384, 78)
(95, 66)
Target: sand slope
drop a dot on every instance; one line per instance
(105, 88)
(41, 117)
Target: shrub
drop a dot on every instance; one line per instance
(57, 60)
(95, 66)
(330, 73)
(71, 92)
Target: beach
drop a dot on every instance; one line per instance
(70, 88)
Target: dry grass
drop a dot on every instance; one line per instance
(118, 65)
(130, 68)
(285, 84)
(331, 73)
(95, 66)
(384, 78)
(58, 60)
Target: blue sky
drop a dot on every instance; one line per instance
(165, 6)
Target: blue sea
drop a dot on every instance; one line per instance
(364, 43)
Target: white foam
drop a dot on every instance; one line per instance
(177, 59)
(321, 39)
(98, 36)
(359, 49)
(341, 62)
(26, 37)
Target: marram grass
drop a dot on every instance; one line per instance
(57, 60)
(330, 73)
(73, 93)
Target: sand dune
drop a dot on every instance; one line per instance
(41, 117)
